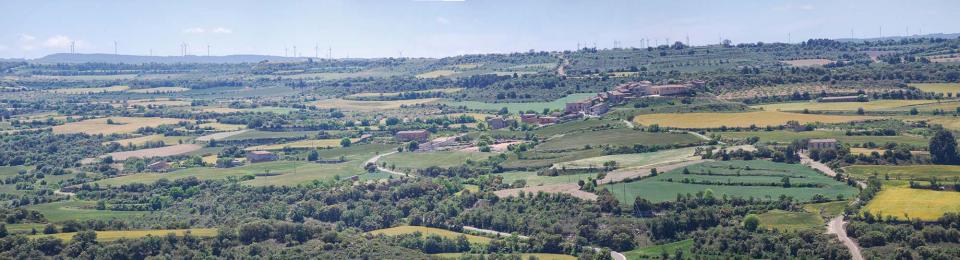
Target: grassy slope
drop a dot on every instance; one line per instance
(430, 231)
(443, 159)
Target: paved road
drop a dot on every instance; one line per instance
(383, 169)
(614, 254)
(838, 226)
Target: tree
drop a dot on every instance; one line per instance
(943, 147)
(345, 142)
(49, 229)
(314, 155)
(751, 222)
(413, 146)
(642, 207)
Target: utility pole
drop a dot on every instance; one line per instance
(295, 51)
(208, 50)
(330, 52)
(73, 45)
(316, 50)
(115, 52)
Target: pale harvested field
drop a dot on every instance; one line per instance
(158, 90)
(354, 105)
(78, 91)
(568, 188)
(156, 152)
(106, 236)
(221, 110)
(220, 136)
(321, 143)
(498, 148)
(436, 74)
(940, 88)
(746, 119)
(121, 125)
(868, 151)
(808, 62)
(169, 140)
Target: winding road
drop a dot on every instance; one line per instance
(836, 225)
(374, 160)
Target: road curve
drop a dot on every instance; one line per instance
(838, 226)
(613, 254)
(374, 160)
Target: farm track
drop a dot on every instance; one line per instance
(383, 169)
(220, 136)
(836, 225)
(613, 254)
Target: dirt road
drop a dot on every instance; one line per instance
(383, 169)
(838, 226)
(805, 160)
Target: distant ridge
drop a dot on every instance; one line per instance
(136, 59)
(915, 36)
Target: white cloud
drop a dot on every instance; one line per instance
(26, 42)
(442, 20)
(194, 30)
(221, 30)
(58, 41)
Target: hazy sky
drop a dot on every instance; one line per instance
(425, 28)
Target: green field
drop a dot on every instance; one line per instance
(619, 136)
(828, 209)
(106, 236)
(742, 120)
(655, 252)
(789, 136)
(533, 179)
(661, 188)
(942, 88)
(789, 220)
(79, 210)
(259, 134)
(519, 107)
(430, 231)
(630, 160)
(899, 174)
(271, 173)
(902, 202)
(421, 160)
(574, 126)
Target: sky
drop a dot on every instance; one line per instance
(438, 28)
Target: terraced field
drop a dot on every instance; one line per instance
(758, 179)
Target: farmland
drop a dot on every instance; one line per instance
(905, 172)
(939, 88)
(426, 231)
(874, 105)
(158, 90)
(156, 152)
(746, 119)
(631, 160)
(79, 91)
(79, 210)
(788, 136)
(790, 221)
(655, 252)
(394, 94)
(320, 143)
(904, 202)
(735, 178)
(353, 105)
(421, 160)
(150, 138)
(541, 256)
(120, 125)
(107, 236)
(619, 136)
(808, 62)
(519, 107)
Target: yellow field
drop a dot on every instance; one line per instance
(468, 66)
(541, 256)
(121, 125)
(387, 94)
(429, 231)
(942, 88)
(210, 159)
(868, 151)
(843, 106)
(77, 91)
(436, 74)
(370, 105)
(758, 118)
(158, 90)
(321, 143)
(917, 203)
(948, 122)
(106, 236)
(808, 62)
(169, 140)
(222, 126)
(477, 116)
